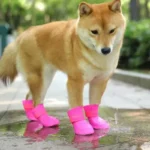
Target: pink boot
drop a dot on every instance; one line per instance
(91, 112)
(28, 106)
(42, 116)
(80, 125)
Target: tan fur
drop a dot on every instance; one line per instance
(65, 46)
(8, 70)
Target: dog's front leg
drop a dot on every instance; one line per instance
(96, 91)
(75, 92)
(97, 88)
(76, 113)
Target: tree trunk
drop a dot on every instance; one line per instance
(33, 11)
(1, 14)
(135, 10)
(146, 8)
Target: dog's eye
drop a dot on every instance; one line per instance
(94, 32)
(111, 31)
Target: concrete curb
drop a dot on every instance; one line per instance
(138, 79)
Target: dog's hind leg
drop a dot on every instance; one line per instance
(38, 83)
(28, 96)
(47, 77)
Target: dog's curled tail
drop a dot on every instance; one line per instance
(8, 70)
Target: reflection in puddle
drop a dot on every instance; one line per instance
(93, 140)
(36, 132)
(127, 132)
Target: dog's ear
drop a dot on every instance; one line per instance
(84, 9)
(115, 6)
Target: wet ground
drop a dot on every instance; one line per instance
(126, 107)
(130, 130)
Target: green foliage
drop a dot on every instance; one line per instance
(63, 9)
(136, 49)
(26, 13)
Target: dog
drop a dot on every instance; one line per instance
(87, 49)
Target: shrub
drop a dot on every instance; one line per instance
(135, 52)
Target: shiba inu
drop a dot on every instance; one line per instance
(86, 49)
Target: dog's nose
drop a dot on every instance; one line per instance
(106, 50)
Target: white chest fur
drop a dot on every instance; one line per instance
(90, 72)
(98, 65)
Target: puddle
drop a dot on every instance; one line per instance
(130, 130)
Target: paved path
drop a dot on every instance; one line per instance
(129, 125)
(117, 95)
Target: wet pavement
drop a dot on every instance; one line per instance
(130, 130)
(124, 106)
